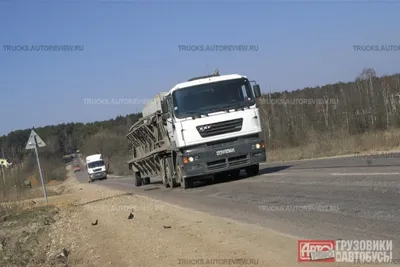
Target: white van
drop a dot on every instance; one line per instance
(96, 168)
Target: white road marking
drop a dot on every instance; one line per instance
(364, 173)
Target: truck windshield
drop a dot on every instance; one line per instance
(212, 97)
(96, 164)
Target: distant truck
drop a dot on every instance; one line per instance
(96, 168)
(207, 126)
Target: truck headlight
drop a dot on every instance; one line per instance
(258, 146)
(188, 159)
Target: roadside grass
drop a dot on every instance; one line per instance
(22, 229)
(340, 144)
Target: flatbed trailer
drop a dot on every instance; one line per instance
(150, 145)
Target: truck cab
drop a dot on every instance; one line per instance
(214, 125)
(96, 168)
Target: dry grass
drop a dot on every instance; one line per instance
(336, 146)
(22, 228)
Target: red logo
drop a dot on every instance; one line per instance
(306, 249)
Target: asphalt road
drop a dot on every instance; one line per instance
(342, 198)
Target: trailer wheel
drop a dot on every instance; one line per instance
(253, 170)
(164, 176)
(171, 180)
(138, 179)
(146, 180)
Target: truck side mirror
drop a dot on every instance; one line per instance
(164, 106)
(165, 116)
(257, 91)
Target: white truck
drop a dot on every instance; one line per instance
(207, 127)
(96, 168)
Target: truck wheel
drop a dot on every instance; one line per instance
(185, 183)
(165, 182)
(138, 179)
(164, 175)
(146, 180)
(171, 180)
(253, 170)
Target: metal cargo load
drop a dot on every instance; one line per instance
(153, 105)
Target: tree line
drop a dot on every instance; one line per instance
(368, 104)
(63, 138)
(289, 119)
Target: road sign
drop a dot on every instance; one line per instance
(34, 142)
(31, 141)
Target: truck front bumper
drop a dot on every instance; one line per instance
(223, 157)
(98, 175)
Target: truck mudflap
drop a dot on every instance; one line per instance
(213, 159)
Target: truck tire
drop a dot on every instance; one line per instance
(138, 179)
(168, 170)
(165, 182)
(253, 170)
(185, 183)
(146, 180)
(164, 176)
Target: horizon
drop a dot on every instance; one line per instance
(298, 45)
(124, 115)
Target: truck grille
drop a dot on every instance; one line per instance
(96, 170)
(220, 128)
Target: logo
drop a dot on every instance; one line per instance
(205, 127)
(316, 250)
(225, 151)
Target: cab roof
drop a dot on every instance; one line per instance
(206, 80)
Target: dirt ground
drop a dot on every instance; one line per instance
(159, 234)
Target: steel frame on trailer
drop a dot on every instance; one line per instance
(150, 143)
